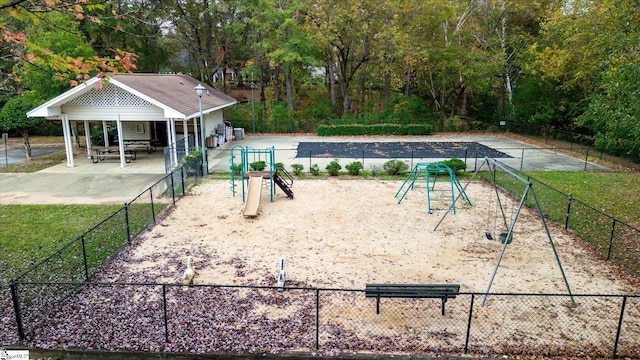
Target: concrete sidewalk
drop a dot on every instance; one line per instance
(108, 182)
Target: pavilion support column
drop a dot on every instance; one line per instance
(87, 137)
(185, 133)
(171, 135)
(105, 133)
(68, 147)
(120, 141)
(195, 130)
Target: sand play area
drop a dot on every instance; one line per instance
(342, 234)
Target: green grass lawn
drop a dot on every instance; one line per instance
(617, 194)
(29, 233)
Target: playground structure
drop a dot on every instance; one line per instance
(438, 192)
(496, 169)
(252, 180)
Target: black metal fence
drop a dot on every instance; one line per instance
(79, 259)
(204, 318)
(521, 158)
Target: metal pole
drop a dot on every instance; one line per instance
(16, 308)
(204, 147)
(615, 345)
(164, 308)
(5, 140)
(84, 256)
(466, 341)
(317, 319)
(126, 222)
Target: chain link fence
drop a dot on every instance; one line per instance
(78, 260)
(205, 318)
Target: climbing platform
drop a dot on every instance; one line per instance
(441, 184)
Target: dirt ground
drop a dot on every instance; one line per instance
(343, 234)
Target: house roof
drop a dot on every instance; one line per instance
(174, 93)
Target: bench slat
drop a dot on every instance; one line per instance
(442, 291)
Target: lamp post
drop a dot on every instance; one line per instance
(199, 91)
(253, 111)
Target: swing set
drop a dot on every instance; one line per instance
(507, 224)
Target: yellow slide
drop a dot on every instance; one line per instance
(253, 196)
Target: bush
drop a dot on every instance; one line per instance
(334, 168)
(395, 167)
(237, 169)
(455, 164)
(354, 168)
(258, 165)
(297, 169)
(314, 170)
(279, 166)
(193, 162)
(375, 129)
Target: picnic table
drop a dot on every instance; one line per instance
(101, 153)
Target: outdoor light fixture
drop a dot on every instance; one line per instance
(199, 91)
(253, 111)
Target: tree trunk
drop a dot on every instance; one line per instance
(331, 76)
(27, 144)
(387, 91)
(288, 82)
(277, 89)
(360, 94)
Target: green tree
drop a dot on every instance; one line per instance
(56, 33)
(348, 31)
(613, 112)
(13, 117)
(136, 26)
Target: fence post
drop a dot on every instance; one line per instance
(182, 180)
(615, 345)
(411, 168)
(466, 341)
(126, 220)
(465, 156)
(317, 319)
(164, 306)
(84, 255)
(586, 160)
(173, 192)
(475, 163)
(613, 229)
(566, 217)
(16, 308)
(153, 210)
(521, 159)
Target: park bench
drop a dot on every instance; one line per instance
(442, 291)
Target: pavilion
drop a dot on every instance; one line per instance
(149, 109)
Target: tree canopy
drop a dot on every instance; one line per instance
(460, 65)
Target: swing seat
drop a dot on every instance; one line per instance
(503, 238)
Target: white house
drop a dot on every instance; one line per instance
(156, 109)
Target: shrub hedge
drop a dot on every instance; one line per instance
(375, 129)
